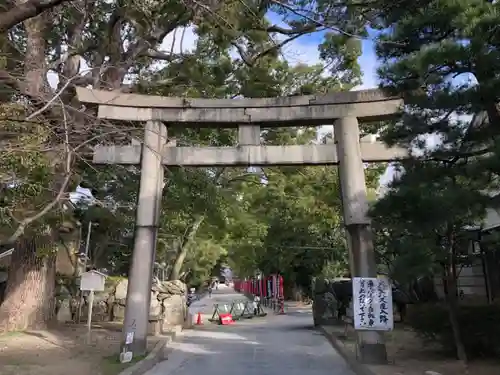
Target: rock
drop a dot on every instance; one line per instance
(118, 312)
(154, 300)
(101, 297)
(62, 291)
(320, 285)
(174, 310)
(160, 292)
(111, 299)
(154, 296)
(121, 289)
(156, 311)
(99, 311)
(176, 287)
(73, 304)
(325, 309)
(64, 313)
(164, 296)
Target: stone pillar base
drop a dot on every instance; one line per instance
(373, 354)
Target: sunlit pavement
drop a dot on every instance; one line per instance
(221, 296)
(275, 345)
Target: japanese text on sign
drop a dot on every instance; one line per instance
(372, 303)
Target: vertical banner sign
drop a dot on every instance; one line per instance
(372, 304)
(278, 287)
(269, 287)
(281, 288)
(274, 286)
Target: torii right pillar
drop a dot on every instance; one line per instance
(370, 344)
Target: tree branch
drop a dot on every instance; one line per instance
(23, 224)
(22, 12)
(251, 60)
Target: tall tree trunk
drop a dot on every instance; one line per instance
(183, 249)
(452, 302)
(29, 298)
(450, 278)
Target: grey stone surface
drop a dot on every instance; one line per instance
(136, 100)
(121, 289)
(156, 355)
(247, 155)
(276, 345)
(369, 105)
(64, 313)
(328, 297)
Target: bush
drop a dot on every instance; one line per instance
(480, 327)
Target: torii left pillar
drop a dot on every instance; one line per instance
(146, 229)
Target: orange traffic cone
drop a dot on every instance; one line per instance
(199, 321)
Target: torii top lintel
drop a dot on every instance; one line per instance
(366, 105)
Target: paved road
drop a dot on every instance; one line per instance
(221, 296)
(274, 345)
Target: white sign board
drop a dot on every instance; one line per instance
(92, 280)
(372, 303)
(129, 338)
(126, 357)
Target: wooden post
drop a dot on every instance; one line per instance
(89, 317)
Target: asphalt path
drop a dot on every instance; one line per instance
(274, 345)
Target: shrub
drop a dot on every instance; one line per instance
(480, 327)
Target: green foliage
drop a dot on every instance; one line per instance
(480, 325)
(202, 258)
(434, 54)
(26, 168)
(419, 214)
(293, 222)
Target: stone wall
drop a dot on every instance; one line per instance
(332, 299)
(168, 303)
(325, 303)
(3, 284)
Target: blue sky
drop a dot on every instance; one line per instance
(302, 50)
(305, 50)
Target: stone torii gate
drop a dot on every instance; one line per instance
(344, 109)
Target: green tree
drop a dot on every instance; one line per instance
(441, 56)
(421, 223)
(120, 43)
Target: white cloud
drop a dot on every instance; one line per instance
(182, 39)
(301, 53)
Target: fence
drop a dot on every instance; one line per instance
(236, 310)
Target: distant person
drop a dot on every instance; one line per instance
(256, 303)
(210, 291)
(191, 296)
